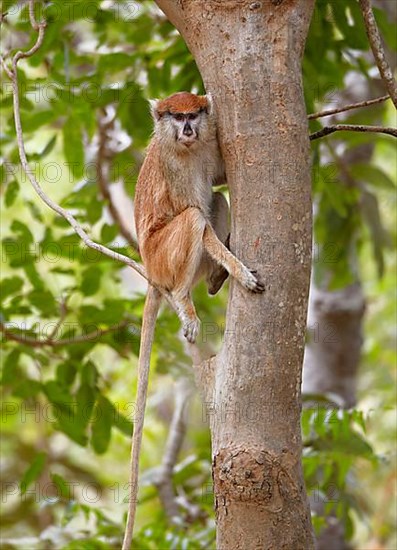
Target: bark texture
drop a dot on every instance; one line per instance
(249, 54)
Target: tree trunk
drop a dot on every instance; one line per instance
(249, 55)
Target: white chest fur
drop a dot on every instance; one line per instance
(193, 175)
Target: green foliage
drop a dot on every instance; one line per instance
(342, 182)
(72, 324)
(333, 442)
(33, 472)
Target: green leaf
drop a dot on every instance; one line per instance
(32, 121)
(114, 62)
(102, 425)
(11, 370)
(71, 427)
(73, 145)
(22, 231)
(91, 279)
(372, 175)
(122, 423)
(85, 399)
(62, 486)
(49, 147)
(9, 286)
(113, 311)
(89, 374)
(34, 210)
(58, 394)
(11, 193)
(371, 214)
(66, 373)
(358, 35)
(111, 314)
(26, 389)
(72, 413)
(34, 276)
(44, 301)
(33, 472)
(109, 233)
(94, 211)
(387, 27)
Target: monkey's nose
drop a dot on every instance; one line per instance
(187, 130)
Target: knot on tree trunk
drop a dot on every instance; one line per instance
(256, 476)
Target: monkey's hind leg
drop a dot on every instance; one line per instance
(182, 246)
(216, 273)
(188, 316)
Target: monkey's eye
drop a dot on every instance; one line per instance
(192, 116)
(179, 116)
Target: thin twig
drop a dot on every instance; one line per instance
(102, 180)
(22, 55)
(35, 343)
(329, 112)
(49, 202)
(377, 49)
(63, 310)
(32, 17)
(6, 67)
(352, 128)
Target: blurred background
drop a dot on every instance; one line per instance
(71, 317)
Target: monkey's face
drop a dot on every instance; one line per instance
(186, 127)
(184, 121)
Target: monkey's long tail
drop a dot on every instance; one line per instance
(152, 305)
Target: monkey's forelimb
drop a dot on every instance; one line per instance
(222, 255)
(152, 305)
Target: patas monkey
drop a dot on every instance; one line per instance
(182, 228)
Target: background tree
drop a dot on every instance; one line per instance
(69, 318)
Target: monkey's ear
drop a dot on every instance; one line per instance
(210, 103)
(154, 109)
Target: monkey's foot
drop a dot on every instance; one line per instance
(251, 282)
(216, 280)
(191, 329)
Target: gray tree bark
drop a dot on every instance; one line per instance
(249, 54)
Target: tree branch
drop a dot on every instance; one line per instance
(63, 310)
(378, 50)
(352, 128)
(330, 112)
(34, 343)
(6, 68)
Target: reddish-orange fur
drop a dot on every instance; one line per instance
(182, 102)
(174, 204)
(164, 226)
